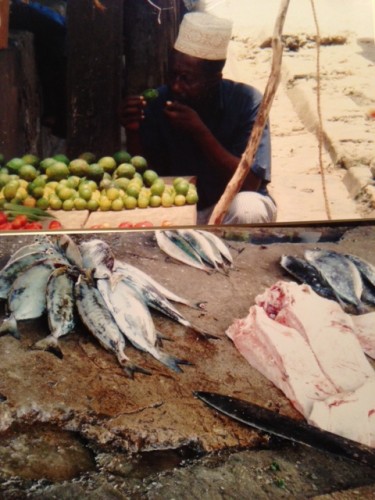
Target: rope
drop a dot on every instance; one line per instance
(319, 110)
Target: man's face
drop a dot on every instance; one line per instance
(189, 80)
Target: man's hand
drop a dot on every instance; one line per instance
(184, 118)
(132, 112)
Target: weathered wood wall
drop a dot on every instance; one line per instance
(94, 49)
(19, 97)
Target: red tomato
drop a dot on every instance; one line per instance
(124, 225)
(144, 223)
(33, 226)
(6, 226)
(3, 218)
(19, 221)
(54, 224)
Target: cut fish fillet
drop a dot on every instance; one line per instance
(327, 329)
(283, 356)
(351, 414)
(364, 328)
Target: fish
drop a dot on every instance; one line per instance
(60, 309)
(97, 255)
(13, 269)
(341, 274)
(367, 272)
(177, 248)
(307, 273)
(38, 246)
(154, 299)
(134, 320)
(219, 244)
(99, 321)
(203, 247)
(68, 249)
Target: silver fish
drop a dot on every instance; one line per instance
(134, 320)
(203, 247)
(307, 273)
(38, 246)
(219, 244)
(13, 269)
(99, 321)
(177, 248)
(341, 274)
(97, 255)
(68, 249)
(60, 309)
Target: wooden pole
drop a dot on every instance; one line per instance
(247, 158)
(4, 23)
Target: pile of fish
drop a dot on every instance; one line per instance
(316, 354)
(112, 298)
(197, 248)
(333, 275)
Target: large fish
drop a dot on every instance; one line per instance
(134, 320)
(97, 255)
(60, 309)
(203, 247)
(41, 245)
(341, 274)
(27, 295)
(219, 245)
(367, 272)
(307, 273)
(68, 249)
(99, 321)
(176, 247)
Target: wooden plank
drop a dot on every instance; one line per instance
(4, 23)
(94, 46)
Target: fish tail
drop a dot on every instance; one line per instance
(172, 362)
(202, 333)
(9, 326)
(49, 344)
(130, 369)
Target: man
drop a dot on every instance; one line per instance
(200, 123)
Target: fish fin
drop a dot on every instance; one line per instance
(49, 344)
(9, 326)
(202, 333)
(172, 362)
(114, 280)
(160, 337)
(130, 369)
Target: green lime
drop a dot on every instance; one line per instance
(92, 205)
(74, 181)
(55, 203)
(68, 205)
(47, 162)
(117, 205)
(124, 170)
(179, 200)
(57, 171)
(130, 202)
(4, 179)
(155, 200)
(78, 167)
(143, 201)
(192, 198)
(29, 202)
(105, 204)
(42, 203)
(85, 192)
(181, 187)
(105, 183)
(177, 180)
(87, 156)
(113, 193)
(158, 187)
(80, 204)
(166, 200)
(133, 190)
(14, 165)
(108, 163)
(37, 192)
(65, 193)
(149, 177)
(28, 172)
(40, 181)
(139, 163)
(21, 193)
(122, 157)
(95, 172)
(10, 190)
(61, 158)
(31, 159)
(122, 183)
(150, 94)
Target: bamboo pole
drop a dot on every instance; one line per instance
(4, 23)
(235, 183)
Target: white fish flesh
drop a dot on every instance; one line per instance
(283, 356)
(341, 274)
(325, 326)
(350, 414)
(134, 320)
(364, 329)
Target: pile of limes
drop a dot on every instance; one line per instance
(115, 182)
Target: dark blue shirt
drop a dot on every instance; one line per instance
(231, 119)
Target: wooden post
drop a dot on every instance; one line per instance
(94, 50)
(246, 161)
(4, 23)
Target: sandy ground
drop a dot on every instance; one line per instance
(304, 191)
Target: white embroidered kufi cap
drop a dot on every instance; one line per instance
(204, 35)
